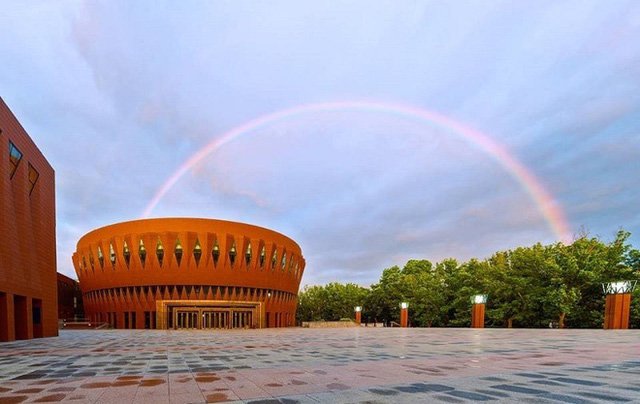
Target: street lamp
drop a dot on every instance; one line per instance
(404, 305)
(479, 299)
(613, 288)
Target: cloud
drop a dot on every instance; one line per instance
(119, 95)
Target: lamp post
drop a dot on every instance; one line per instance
(617, 303)
(404, 314)
(358, 310)
(478, 303)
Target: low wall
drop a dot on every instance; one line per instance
(329, 324)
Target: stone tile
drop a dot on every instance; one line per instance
(304, 365)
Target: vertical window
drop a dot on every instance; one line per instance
(197, 252)
(178, 251)
(159, 251)
(112, 256)
(33, 178)
(274, 260)
(215, 253)
(232, 253)
(283, 264)
(100, 257)
(126, 254)
(291, 264)
(142, 252)
(91, 261)
(248, 254)
(263, 256)
(14, 158)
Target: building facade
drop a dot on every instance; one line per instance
(69, 299)
(187, 273)
(28, 307)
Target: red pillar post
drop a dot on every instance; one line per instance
(477, 315)
(617, 304)
(616, 312)
(404, 314)
(478, 303)
(358, 311)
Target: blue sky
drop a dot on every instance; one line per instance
(119, 94)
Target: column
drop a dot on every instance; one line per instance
(617, 304)
(478, 303)
(404, 314)
(358, 311)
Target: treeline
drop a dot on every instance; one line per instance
(526, 287)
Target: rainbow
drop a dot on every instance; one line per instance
(547, 205)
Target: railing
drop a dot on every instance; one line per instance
(82, 324)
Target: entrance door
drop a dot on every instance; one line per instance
(242, 319)
(215, 319)
(186, 319)
(210, 318)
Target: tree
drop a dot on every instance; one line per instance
(385, 296)
(527, 287)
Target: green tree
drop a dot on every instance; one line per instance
(527, 287)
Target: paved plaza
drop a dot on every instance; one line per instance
(351, 365)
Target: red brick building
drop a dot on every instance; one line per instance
(28, 307)
(69, 299)
(184, 273)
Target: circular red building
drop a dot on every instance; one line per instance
(186, 273)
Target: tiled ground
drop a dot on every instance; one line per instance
(324, 365)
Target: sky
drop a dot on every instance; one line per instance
(118, 95)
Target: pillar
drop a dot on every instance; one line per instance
(404, 314)
(478, 303)
(616, 312)
(477, 315)
(358, 311)
(617, 304)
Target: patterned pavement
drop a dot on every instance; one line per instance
(349, 365)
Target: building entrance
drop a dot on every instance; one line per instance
(208, 315)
